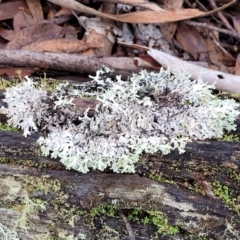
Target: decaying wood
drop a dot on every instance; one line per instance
(185, 192)
(68, 62)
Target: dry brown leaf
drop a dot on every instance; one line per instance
(156, 17)
(22, 20)
(2, 44)
(70, 32)
(168, 29)
(7, 34)
(105, 49)
(217, 56)
(36, 10)
(237, 66)
(34, 33)
(61, 17)
(191, 40)
(142, 3)
(236, 23)
(61, 46)
(146, 62)
(142, 16)
(101, 31)
(173, 4)
(9, 9)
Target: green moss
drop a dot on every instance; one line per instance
(196, 187)
(103, 210)
(234, 175)
(159, 177)
(224, 193)
(229, 138)
(6, 127)
(156, 218)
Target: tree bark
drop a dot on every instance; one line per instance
(194, 194)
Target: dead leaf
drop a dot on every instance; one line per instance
(7, 34)
(168, 29)
(173, 4)
(191, 40)
(142, 3)
(36, 10)
(236, 23)
(146, 62)
(61, 16)
(237, 65)
(70, 32)
(103, 31)
(61, 46)
(9, 9)
(156, 17)
(105, 49)
(22, 20)
(217, 55)
(141, 16)
(34, 33)
(2, 44)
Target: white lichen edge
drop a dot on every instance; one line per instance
(7, 234)
(151, 112)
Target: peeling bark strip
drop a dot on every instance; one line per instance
(67, 62)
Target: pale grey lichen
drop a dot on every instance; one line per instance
(25, 106)
(7, 234)
(149, 113)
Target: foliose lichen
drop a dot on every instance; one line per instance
(149, 113)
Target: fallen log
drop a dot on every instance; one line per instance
(180, 196)
(175, 196)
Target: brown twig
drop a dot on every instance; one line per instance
(221, 16)
(205, 25)
(128, 226)
(124, 66)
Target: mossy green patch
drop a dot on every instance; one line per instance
(229, 138)
(159, 177)
(226, 194)
(156, 218)
(6, 127)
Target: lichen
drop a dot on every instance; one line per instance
(7, 234)
(149, 113)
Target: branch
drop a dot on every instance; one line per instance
(68, 62)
